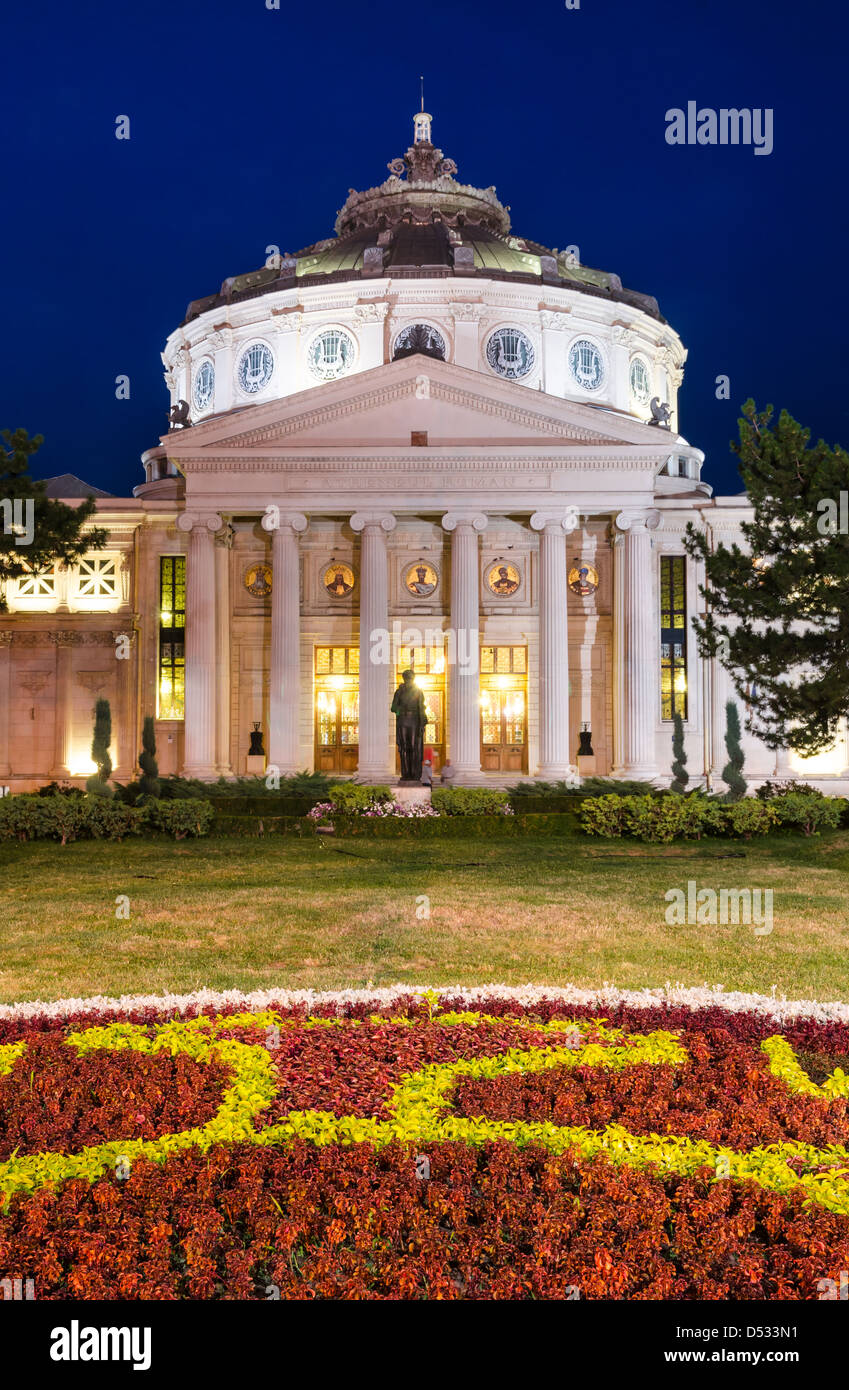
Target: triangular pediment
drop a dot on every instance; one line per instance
(418, 400)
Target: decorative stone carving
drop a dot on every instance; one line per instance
(34, 681)
(95, 681)
(65, 639)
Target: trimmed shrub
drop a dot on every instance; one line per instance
(65, 818)
(602, 815)
(769, 790)
(149, 780)
(98, 783)
(350, 796)
(179, 818)
(810, 811)
(732, 773)
(471, 801)
(680, 775)
(743, 819)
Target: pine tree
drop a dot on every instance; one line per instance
(732, 773)
(98, 783)
(36, 530)
(680, 775)
(149, 780)
(778, 607)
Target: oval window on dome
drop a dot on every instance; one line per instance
(204, 386)
(255, 367)
(510, 353)
(420, 337)
(640, 381)
(331, 354)
(586, 365)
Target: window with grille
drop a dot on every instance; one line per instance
(673, 636)
(41, 585)
(98, 577)
(498, 661)
(172, 636)
(337, 661)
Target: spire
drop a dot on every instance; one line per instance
(421, 123)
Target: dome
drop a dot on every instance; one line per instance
(422, 223)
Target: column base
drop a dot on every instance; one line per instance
(634, 774)
(200, 774)
(374, 776)
(563, 773)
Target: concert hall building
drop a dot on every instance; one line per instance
(426, 442)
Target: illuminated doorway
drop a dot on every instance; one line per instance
(504, 709)
(337, 709)
(428, 666)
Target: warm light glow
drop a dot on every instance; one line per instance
(337, 682)
(826, 764)
(165, 686)
(503, 682)
(438, 667)
(81, 766)
(680, 681)
(165, 617)
(485, 701)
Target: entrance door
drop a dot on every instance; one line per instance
(504, 715)
(337, 709)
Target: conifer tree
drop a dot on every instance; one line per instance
(778, 606)
(149, 780)
(732, 773)
(98, 783)
(680, 775)
(36, 530)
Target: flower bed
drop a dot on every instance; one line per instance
(508, 1144)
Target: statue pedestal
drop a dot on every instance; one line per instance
(255, 764)
(411, 793)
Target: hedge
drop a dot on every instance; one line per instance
(66, 818)
(469, 801)
(662, 819)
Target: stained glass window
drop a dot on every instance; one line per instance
(673, 636)
(172, 637)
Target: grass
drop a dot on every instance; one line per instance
(255, 913)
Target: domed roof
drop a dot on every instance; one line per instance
(421, 223)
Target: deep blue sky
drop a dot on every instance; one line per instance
(249, 126)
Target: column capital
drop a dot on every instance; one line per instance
(361, 520)
(566, 521)
(638, 519)
(477, 521)
(190, 521)
(275, 520)
(5, 637)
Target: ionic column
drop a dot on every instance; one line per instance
(553, 645)
(223, 543)
(5, 701)
(618, 547)
(283, 745)
(464, 650)
(64, 643)
(199, 757)
(642, 645)
(375, 762)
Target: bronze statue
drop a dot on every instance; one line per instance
(178, 416)
(408, 706)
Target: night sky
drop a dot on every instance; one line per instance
(249, 125)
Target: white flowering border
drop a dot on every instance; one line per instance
(771, 1006)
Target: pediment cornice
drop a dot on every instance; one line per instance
(515, 415)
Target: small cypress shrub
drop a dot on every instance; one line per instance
(732, 773)
(149, 784)
(680, 775)
(98, 783)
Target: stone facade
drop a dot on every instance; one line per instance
(502, 496)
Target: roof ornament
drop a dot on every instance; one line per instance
(421, 123)
(660, 412)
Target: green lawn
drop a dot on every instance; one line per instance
(255, 913)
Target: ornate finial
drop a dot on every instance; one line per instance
(421, 123)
